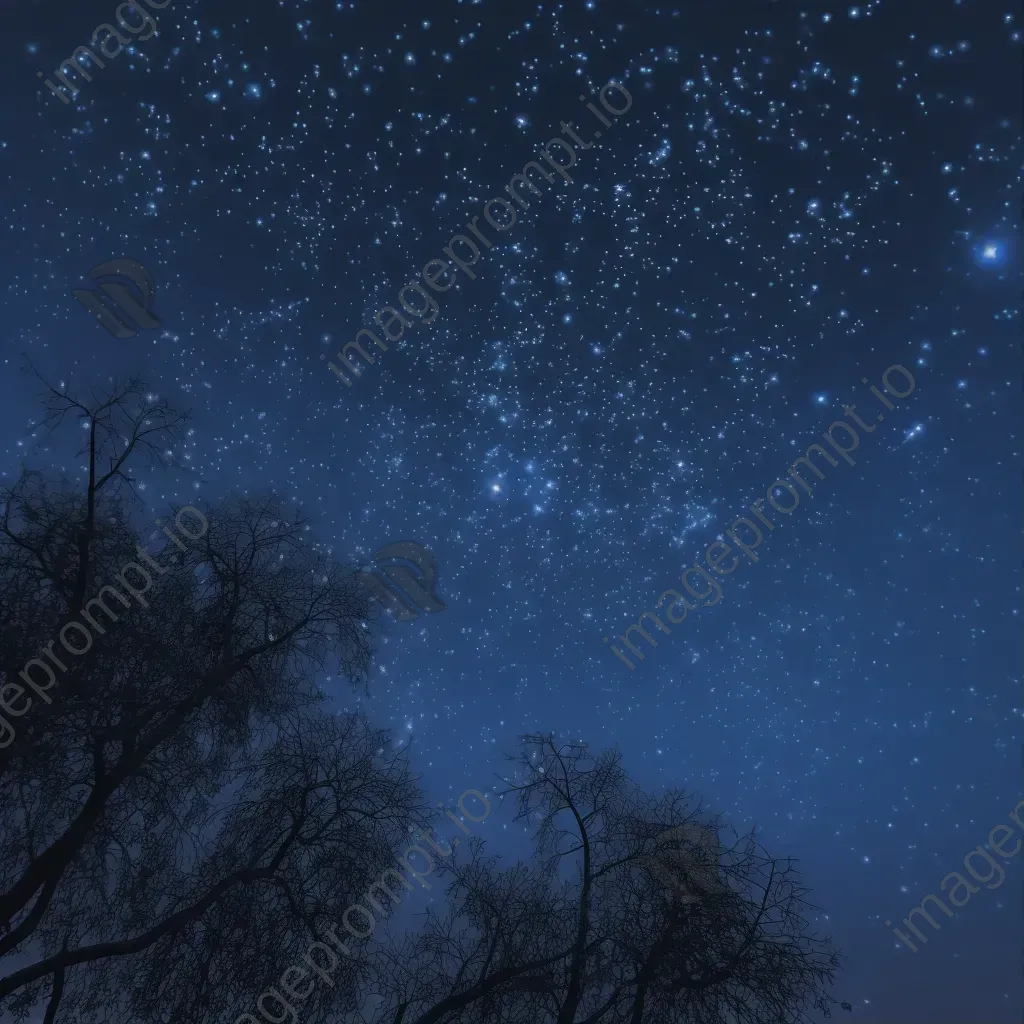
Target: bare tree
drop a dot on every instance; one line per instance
(181, 798)
(52, 538)
(632, 912)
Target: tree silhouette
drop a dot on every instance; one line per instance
(632, 912)
(180, 817)
(182, 798)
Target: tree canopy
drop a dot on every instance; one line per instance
(182, 813)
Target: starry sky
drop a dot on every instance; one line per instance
(801, 195)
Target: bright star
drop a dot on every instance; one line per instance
(990, 254)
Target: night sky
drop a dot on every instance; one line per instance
(800, 196)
